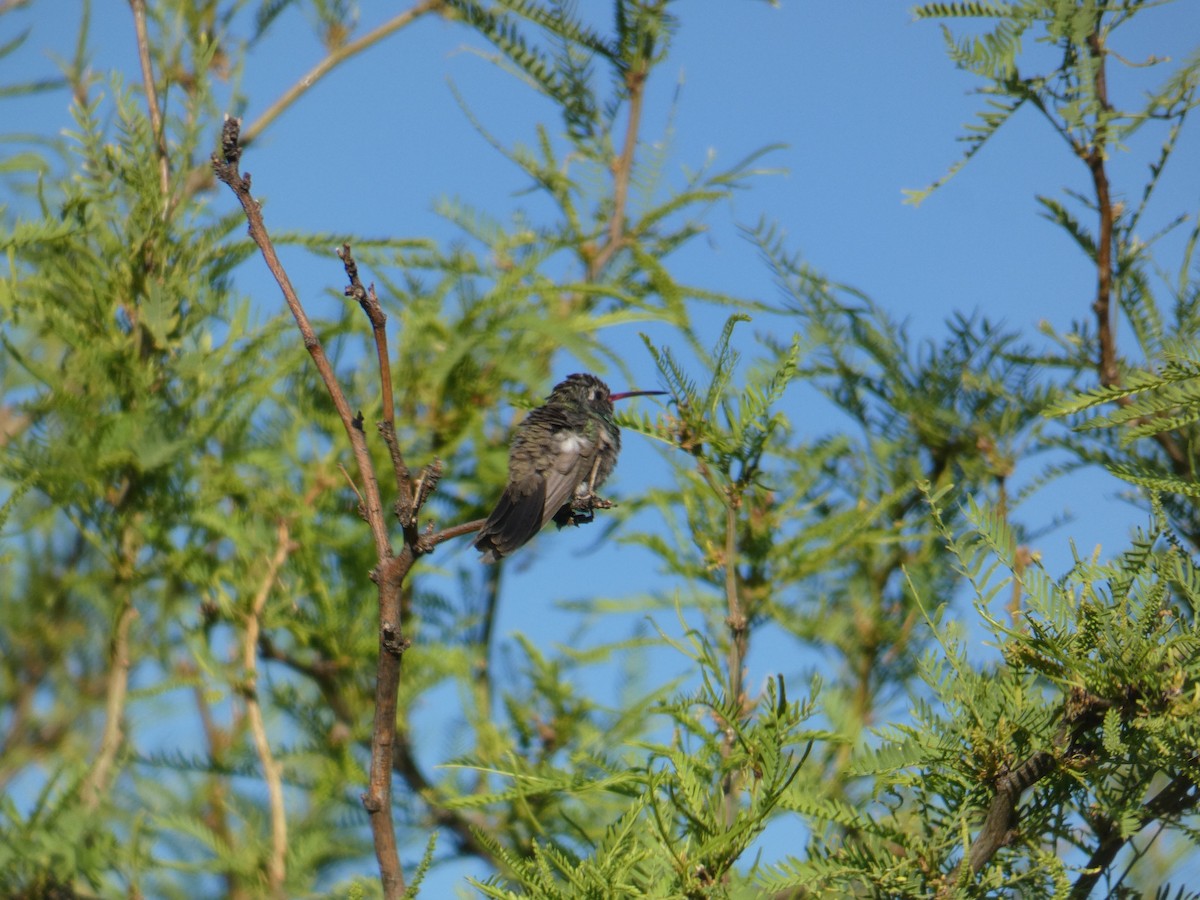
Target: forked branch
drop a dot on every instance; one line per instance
(391, 568)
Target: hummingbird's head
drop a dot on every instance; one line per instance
(588, 390)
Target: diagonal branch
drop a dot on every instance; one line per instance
(335, 58)
(1081, 712)
(226, 169)
(1179, 795)
(406, 507)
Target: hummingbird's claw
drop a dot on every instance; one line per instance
(581, 510)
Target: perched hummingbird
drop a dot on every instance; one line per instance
(561, 452)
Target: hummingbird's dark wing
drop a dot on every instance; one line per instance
(571, 465)
(547, 464)
(516, 518)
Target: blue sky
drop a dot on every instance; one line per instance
(865, 102)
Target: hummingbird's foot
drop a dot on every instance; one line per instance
(581, 510)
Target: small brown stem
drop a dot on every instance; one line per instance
(453, 531)
(369, 302)
(335, 58)
(272, 771)
(635, 82)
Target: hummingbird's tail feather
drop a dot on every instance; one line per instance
(514, 521)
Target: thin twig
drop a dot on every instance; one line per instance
(430, 541)
(117, 688)
(335, 58)
(272, 771)
(198, 179)
(156, 118)
(739, 638)
(635, 82)
(370, 304)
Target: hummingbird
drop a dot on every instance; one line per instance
(560, 453)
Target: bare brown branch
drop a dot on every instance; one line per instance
(432, 540)
(367, 299)
(226, 168)
(1102, 305)
(370, 305)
